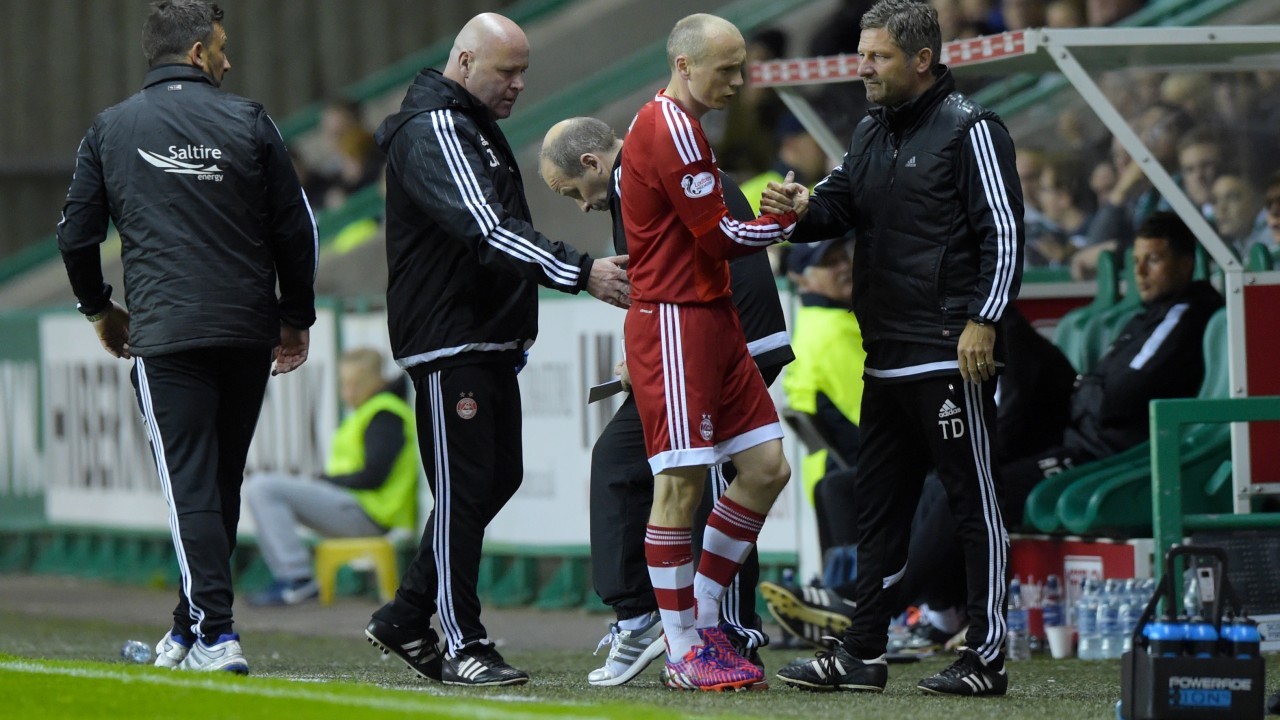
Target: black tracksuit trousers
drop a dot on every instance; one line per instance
(200, 408)
(469, 435)
(951, 420)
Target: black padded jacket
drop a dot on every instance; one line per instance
(210, 213)
(931, 191)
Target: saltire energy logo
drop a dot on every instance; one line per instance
(178, 161)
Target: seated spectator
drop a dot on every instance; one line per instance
(1157, 354)
(1133, 197)
(1271, 203)
(1240, 219)
(982, 15)
(369, 486)
(1022, 14)
(1200, 161)
(1030, 162)
(1191, 91)
(1064, 14)
(1101, 13)
(1066, 211)
(354, 160)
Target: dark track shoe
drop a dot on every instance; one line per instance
(836, 669)
(807, 613)
(420, 652)
(969, 676)
(481, 665)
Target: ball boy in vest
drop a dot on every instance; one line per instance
(369, 485)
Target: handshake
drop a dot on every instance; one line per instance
(779, 198)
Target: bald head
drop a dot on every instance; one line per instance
(489, 58)
(707, 56)
(693, 37)
(577, 161)
(568, 141)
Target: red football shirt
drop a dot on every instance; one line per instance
(680, 236)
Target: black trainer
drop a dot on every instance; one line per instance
(968, 675)
(836, 669)
(807, 613)
(420, 652)
(480, 664)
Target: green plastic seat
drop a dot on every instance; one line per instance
(1104, 325)
(1070, 331)
(1260, 259)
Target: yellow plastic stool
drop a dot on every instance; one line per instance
(334, 553)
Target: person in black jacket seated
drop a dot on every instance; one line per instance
(581, 159)
(1158, 354)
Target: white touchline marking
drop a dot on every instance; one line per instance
(456, 707)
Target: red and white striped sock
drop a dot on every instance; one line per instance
(731, 533)
(669, 554)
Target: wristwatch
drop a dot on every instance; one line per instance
(98, 315)
(979, 320)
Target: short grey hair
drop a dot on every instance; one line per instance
(913, 26)
(580, 135)
(689, 36)
(174, 26)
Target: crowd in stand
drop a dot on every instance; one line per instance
(343, 161)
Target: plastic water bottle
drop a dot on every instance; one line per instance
(1053, 614)
(1130, 612)
(1191, 598)
(1163, 637)
(137, 652)
(1245, 640)
(1202, 640)
(1017, 641)
(1109, 627)
(1090, 643)
(1183, 634)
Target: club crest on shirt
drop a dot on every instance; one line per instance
(700, 185)
(467, 408)
(704, 428)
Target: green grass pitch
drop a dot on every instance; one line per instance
(51, 669)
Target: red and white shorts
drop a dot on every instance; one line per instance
(700, 396)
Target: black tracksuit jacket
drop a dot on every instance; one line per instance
(464, 259)
(931, 191)
(210, 213)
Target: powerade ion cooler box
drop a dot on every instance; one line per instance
(1193, 669)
